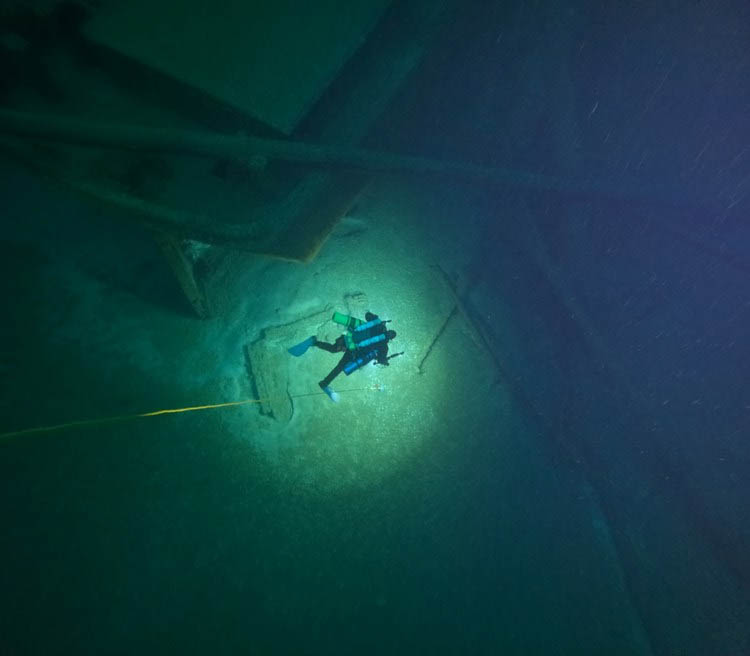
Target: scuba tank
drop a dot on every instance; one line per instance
(350, 323)
(356, 364)
(353, 343)
(367, 325)
(360, 334)
(372, 340)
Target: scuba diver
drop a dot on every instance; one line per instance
(365, 341)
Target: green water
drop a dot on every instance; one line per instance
(440, 523)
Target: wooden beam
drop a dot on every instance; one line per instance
(245, 148)
(478, 334)
(184, 272)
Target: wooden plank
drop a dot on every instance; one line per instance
(269, 379)
(426, 353)
(268, 363)
(182, 268)
(475, 329)
(271, 59)
(329, 196)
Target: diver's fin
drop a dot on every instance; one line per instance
(331, 394)
(301, 348)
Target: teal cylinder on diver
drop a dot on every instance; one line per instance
(367, 325)
(356, 364)
(373, 340)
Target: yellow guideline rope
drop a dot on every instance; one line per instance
(155, 413)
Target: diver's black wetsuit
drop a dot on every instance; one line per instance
(349, 356)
